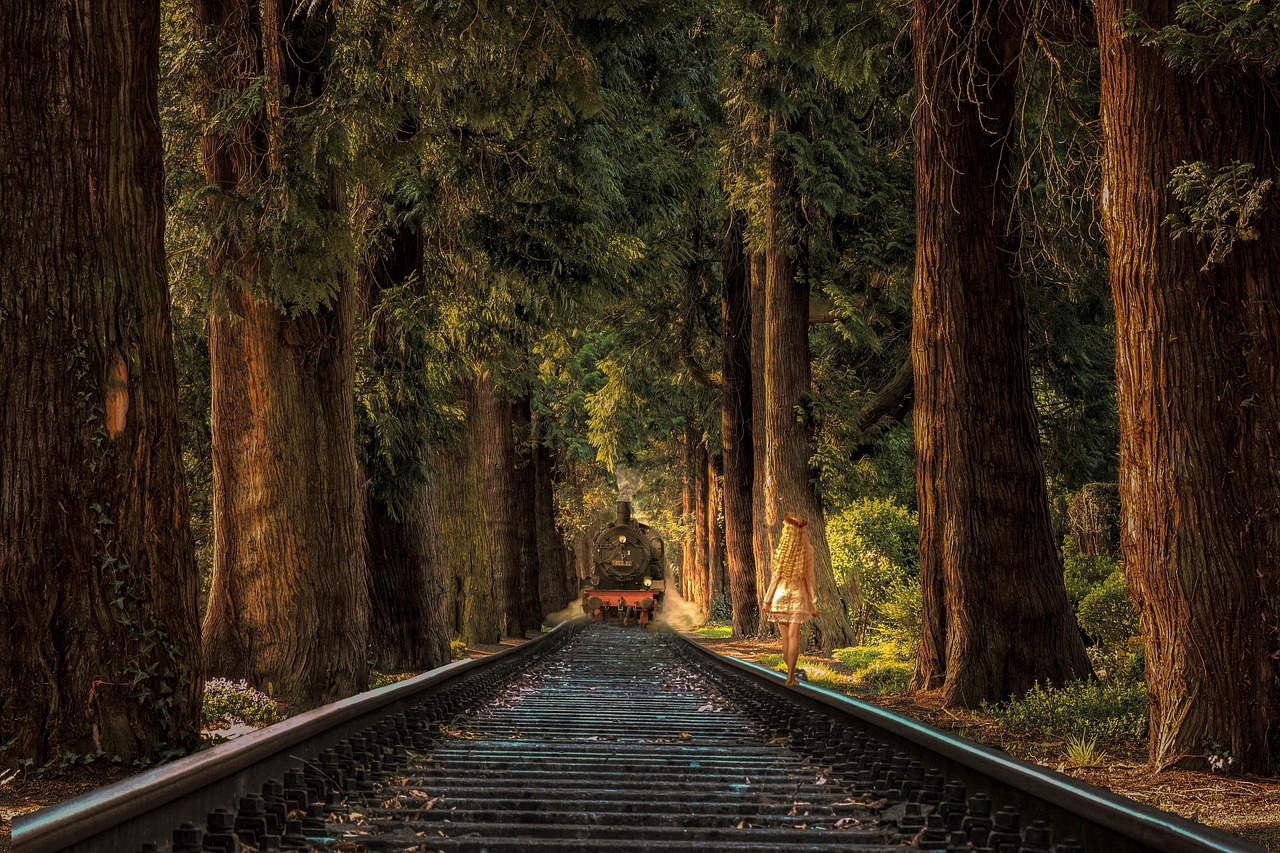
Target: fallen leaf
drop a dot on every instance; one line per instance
(685, 735)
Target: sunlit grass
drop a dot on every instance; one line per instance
(715, 631)
(1082, 751)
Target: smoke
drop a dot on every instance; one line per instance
(572, 611)
(678, 613)
(628, 482)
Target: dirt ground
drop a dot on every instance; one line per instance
(1248, 807)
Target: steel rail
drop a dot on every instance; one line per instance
(1097, 818)
(148, 806)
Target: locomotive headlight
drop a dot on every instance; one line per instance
(648, 582)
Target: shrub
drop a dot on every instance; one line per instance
(232, 703)
(457, 648)
(721, 608)
(1107, 614)
(873, 547)
(1083, 573)
(1114, 710)
(900, 622)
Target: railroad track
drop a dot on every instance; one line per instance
(600, 738)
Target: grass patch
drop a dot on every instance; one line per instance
(715, 631)
(879, 668)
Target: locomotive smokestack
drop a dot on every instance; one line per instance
(624, 512)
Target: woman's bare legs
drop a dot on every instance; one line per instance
(790, 647)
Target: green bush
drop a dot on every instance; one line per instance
(457, 648)
(1083, 573)
(900, 622)
(232, 703)
(721, 608)
(1114, 710)
(873, 548)
(1108, 616)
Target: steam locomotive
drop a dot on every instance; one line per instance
(627, 580)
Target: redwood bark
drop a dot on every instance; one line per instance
(555, 587)
(717, 584)
(409, 626)
(736, 432)
(497, 451)
(699, 591)
(288, 602)
(464, 532)
(996, 615)
(99, 647)
(688, 546)
(1197, 371)
(530, 604)
(761, 546)
(790, 482)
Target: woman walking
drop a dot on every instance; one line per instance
(791, 600)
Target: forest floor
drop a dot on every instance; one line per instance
(1248, 807)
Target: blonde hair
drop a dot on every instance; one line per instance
(793, 546)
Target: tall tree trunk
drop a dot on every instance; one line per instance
(497, 451)
(288, 602)
(700, 589)
(996, 615)
(409, 626)
(761, 545)
(735, 428)
(99, 647)
(465, 541)
(554, 589)
(530, 605)
(688, 501)
(716, 585)
(1197, 371)
(789, 480)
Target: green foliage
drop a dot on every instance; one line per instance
(229, 703)
(900, 623)
(457, 648)
(715, 631)
(1083, 573)
(1107, 614)
(1082, 751)
(873, 548)
(1219, 205)
(1114, 710)
(1240, 34)
(721, 608)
